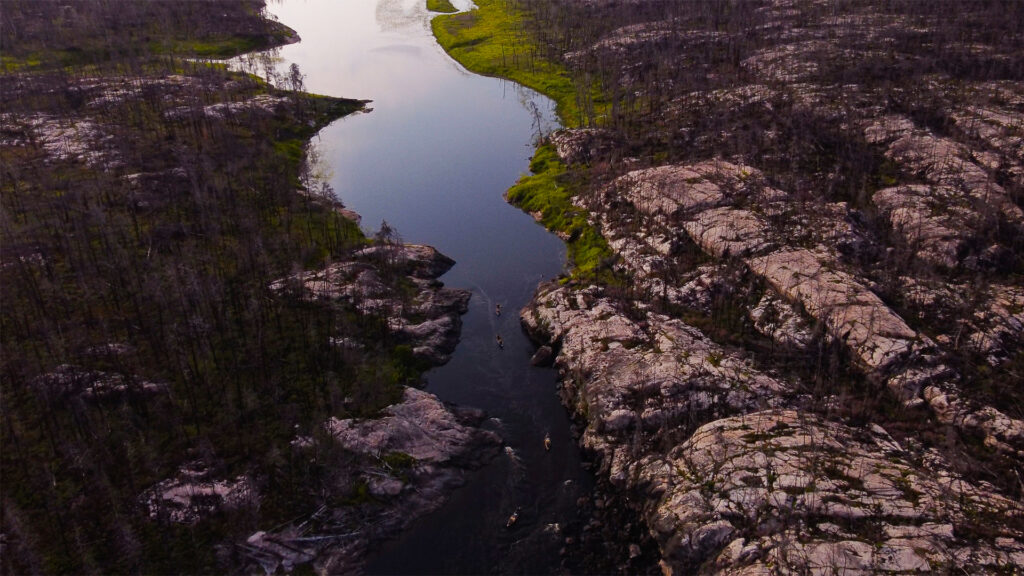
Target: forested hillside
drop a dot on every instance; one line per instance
(185, 306)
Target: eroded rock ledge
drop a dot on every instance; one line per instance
(736, 466)
(731, 213)
(809, 358)
(732, 474)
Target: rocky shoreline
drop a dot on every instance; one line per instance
(395, 466)
(735, 469)
(402, 466)
(208, 366)
(786, 378)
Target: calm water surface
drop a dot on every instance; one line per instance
(433, 159)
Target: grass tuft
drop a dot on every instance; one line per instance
(443, 6)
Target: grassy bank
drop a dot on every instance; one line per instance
(549, 191)
(489, 40)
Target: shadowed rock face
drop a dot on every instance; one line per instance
(779, 216)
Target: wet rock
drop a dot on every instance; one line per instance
(544, 356)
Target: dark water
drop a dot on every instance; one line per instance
(433, 159)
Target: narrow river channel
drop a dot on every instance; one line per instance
(433, 159)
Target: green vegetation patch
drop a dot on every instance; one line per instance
(550, 193)
(43, 35)
(399, 460)
(441, 6)
(490, 41)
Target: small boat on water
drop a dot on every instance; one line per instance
(512, 519)
(547, 442)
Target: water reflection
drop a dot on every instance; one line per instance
(393, 15)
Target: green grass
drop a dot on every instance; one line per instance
(550, 193)
(441, 6)
(489, 41)
(227, 46)
(11, 64)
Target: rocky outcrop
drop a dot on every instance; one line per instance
(396, 283)
(639, 383)
(196, 493)
(583, 145)
(929, 218)
(69, 381)
(419, 426)
(402, 465)
(784, 492)
(737, 470)
(81, 141)
(701, 200)
(849, 234)
(731, 473)
(731, 468)
(948, 163)
(876, 335)
(389, 469)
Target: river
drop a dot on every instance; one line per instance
(433, 159)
